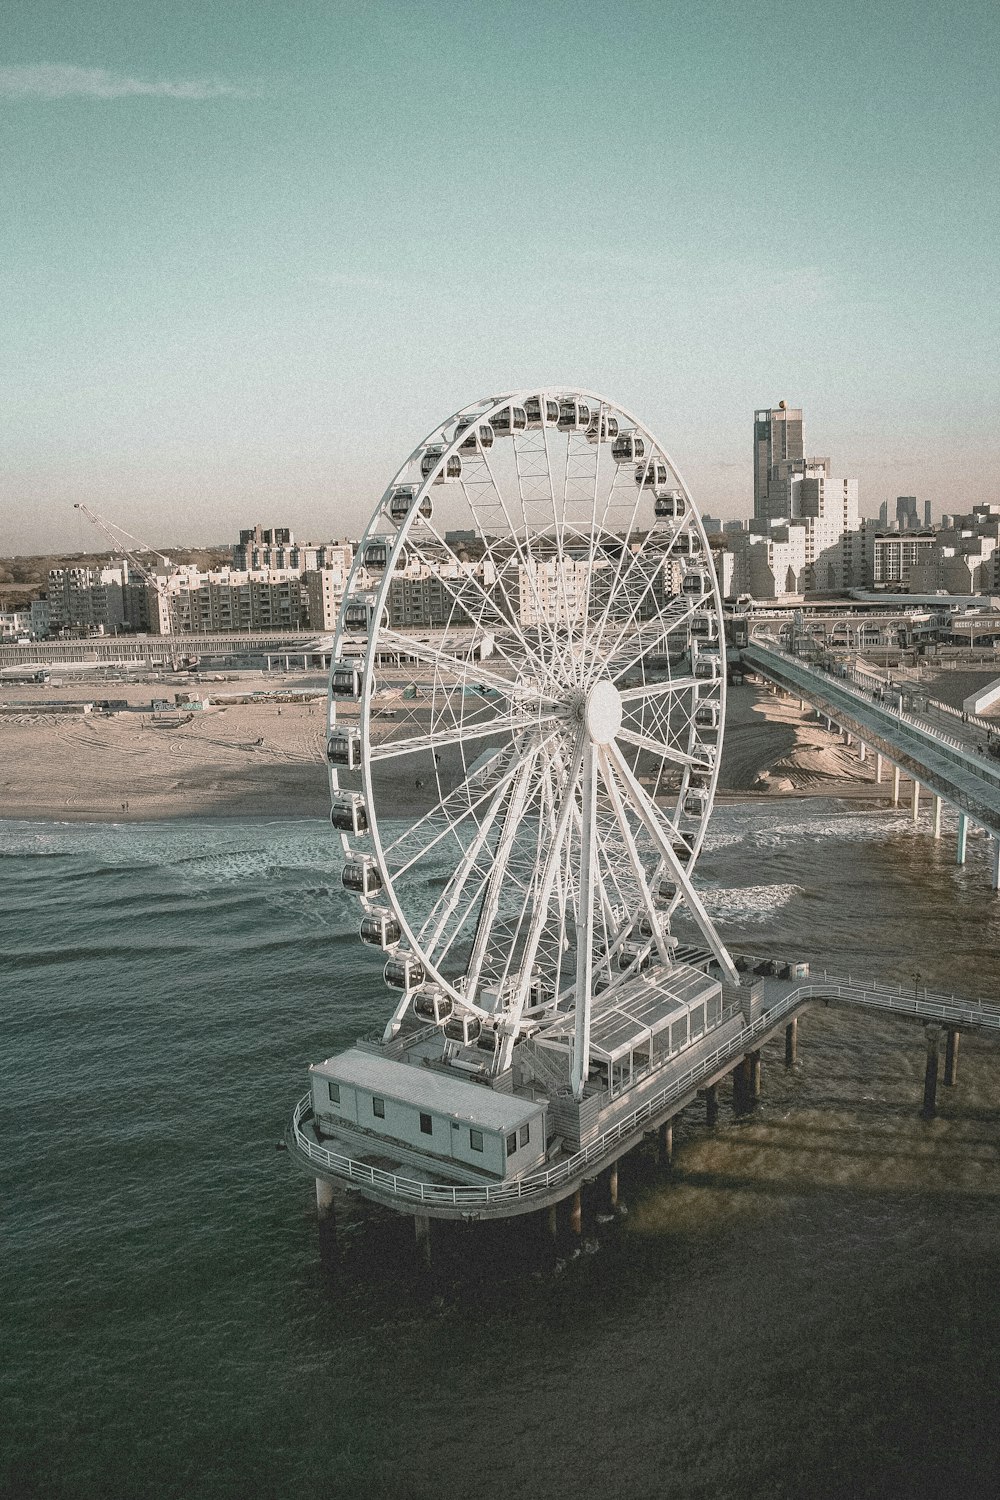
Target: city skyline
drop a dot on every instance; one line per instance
(253, 255)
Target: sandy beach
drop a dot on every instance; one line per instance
(263, 759)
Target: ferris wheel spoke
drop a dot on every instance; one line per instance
(488, 604)
(524, 562)
(494, 885)
(635, 860)
(553, 857)
(655, 747)
(653, 690)
(596, 640)
(647, 640)
(468, 672)
(648, 813)
(627, 631)
(458, 734)
(454, 804)
(452, 894)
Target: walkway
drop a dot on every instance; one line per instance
(935, 749)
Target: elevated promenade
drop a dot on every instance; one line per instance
(943, 756)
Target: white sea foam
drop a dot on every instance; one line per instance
(752, 903)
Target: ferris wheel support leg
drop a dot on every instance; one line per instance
(585, 924)
(395, 1020)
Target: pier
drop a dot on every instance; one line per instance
(731, 1050)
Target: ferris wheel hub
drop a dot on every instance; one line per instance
(603, 712)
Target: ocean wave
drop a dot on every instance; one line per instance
(751, 903)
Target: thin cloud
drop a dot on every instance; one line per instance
(64, 81)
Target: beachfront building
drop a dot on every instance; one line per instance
(962, 557)
(275, 547)
(14, 623)
(790, 488)
(769, 563)
(40, 618)
(88, 601)
(229, 599)
(894, 555)
(554, 591)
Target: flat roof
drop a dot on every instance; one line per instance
(624, 1017)
(428, 1089)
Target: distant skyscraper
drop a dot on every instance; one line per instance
(927, 515)
(883, 513)
(777, 436)
(906, 513)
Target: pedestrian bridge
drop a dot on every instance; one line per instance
(953, 763)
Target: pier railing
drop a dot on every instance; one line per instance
(927, 1007)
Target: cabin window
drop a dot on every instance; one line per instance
(378, 1107)
(476, 1140)
(334, 1089)
(525, 1134)
(426, 1125)
(512, 1143)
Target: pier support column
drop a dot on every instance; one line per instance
(712, 1104)
(848, 738)
(995, 873)
(878, 766)
(829, 724)
(422, 1230)
(743, 1101)
(915, 809)
(963, 837)
(862, 750)
(791, 1042)
(932, 1035)
(937, 817)
(326, 1218)
(665, 1143)
(613, 1186)
(753, 1077)
(895, 786)
(951, 1040)
(552, 1224)
(576, 1213)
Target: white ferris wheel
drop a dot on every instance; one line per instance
(526, 707)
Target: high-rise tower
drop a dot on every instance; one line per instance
(777, 436)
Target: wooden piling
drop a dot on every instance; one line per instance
(791, 1042)
(422, 1230)
(326, 1218)
(952, 1036)
(932, 1035)
(665, 1143)
(753, 1077)
(712, 1104)
(576, 1212)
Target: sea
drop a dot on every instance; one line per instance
(806, 1305)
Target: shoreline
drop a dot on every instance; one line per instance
(261, 761)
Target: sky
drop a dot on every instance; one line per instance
(252, 251)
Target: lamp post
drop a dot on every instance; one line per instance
(916, 982)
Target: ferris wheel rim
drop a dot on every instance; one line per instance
(482, 411)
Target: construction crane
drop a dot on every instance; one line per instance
(152, 580)
(114, 533)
